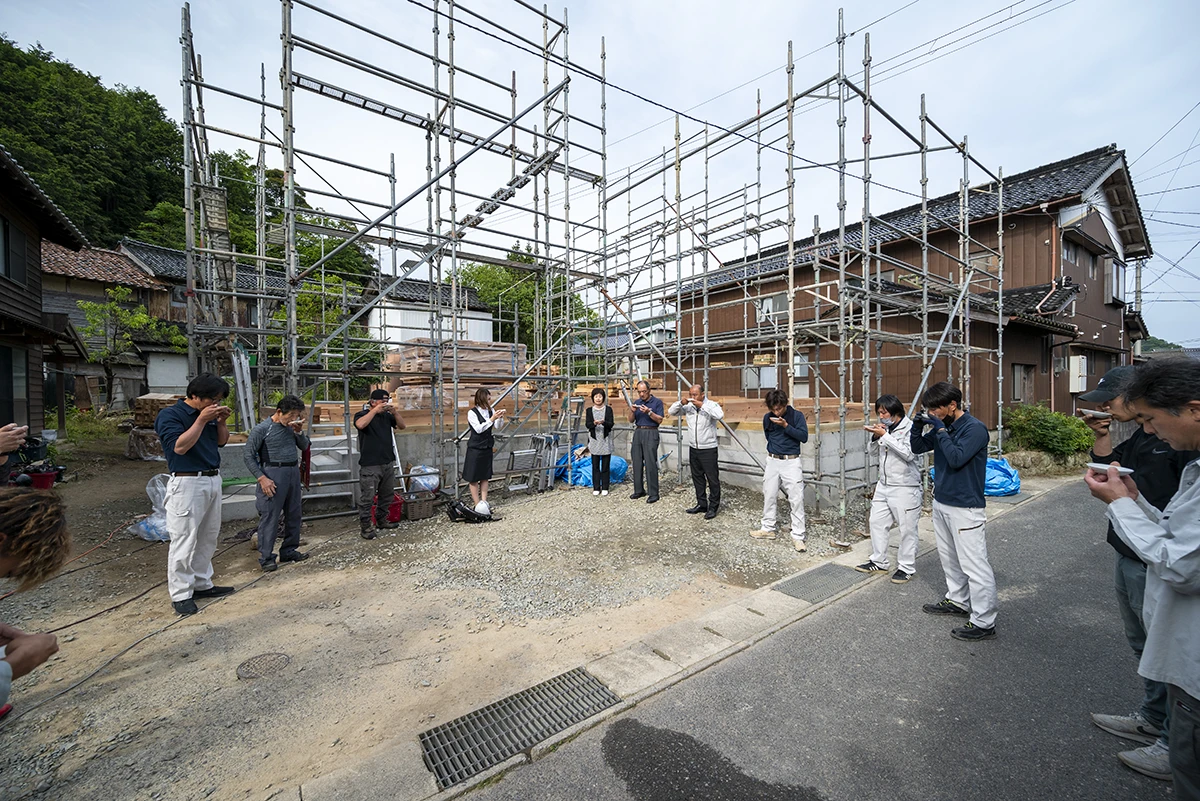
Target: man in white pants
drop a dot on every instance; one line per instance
(191, 431)
(959, 444)
(897, 492)
(786, 430)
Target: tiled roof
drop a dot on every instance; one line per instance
(95, 264)
(1052, 298)
(1048, 183)
(171, 265)
(415, 291)
(52, 223)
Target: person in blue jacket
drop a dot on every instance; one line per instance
(959, 443)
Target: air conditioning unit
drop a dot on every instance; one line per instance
(1077, 374)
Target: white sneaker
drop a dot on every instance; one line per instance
(603, 492)
(1153, 761)
(763, 534)
(595, 492)
(1131, 727)
(799, 545)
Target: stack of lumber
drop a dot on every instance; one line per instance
(473, 358)
(147, 407)
(614, 388)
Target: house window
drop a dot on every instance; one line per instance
(14, 385)
(12, 252)
(1114, 282)
(768, 308)
(1089, 260)
(1022, 383)
(760, 377)
(1070, 252)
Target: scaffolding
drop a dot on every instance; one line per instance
(681, 239)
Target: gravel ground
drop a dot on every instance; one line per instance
(385, 637)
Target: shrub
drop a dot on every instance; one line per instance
(84, 427)
(1035, 427)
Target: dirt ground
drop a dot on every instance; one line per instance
(383, 638)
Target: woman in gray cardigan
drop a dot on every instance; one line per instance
(599, 421)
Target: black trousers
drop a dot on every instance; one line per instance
(600, 465)
(705, 472)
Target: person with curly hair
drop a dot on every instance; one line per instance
(34, 543)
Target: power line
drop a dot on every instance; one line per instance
(1165, 191)
(1164, 136)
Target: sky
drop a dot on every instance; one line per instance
(1028, 83)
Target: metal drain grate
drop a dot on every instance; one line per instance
(823, 582)
(465, 746)
(256, 667)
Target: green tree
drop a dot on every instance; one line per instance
(105, 156)
(521, 291)
(164, 225)
(1151, 344)
(119, 323)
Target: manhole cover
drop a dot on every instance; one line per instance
(262, 665)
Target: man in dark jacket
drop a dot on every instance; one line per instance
(272, 455)
(959, 443)
(1156, 471)
(376, 460)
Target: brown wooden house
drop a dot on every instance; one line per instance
(27, 219)
(1070, 230)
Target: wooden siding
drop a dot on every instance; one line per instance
(23, 302)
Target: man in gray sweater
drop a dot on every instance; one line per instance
(271, 456)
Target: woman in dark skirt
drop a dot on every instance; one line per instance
(477, 467)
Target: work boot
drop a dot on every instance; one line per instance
(366, 531)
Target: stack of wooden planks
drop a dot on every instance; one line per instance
(147, 407)
(472, 359)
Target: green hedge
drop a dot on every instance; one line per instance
(1035, 427)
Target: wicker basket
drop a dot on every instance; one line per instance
(419, 505)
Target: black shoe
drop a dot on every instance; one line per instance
(697, 509)
(293, 556)
(870, 567)
(945, 607)
(652, 499)
(367, 533)
(971, 632)
(269, 567)
(900, 577)
(212, 592)
(710, 514)
(637, 495)
(185, 608)
(388, 524)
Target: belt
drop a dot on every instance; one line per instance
(194, 473)
(280, 464)
(647, 426)
(784, 455)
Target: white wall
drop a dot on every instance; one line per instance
(167, 372)
(401, 325)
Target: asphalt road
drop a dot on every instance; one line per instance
(870, 698)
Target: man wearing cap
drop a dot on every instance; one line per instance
(376, 460)
(1156, 472)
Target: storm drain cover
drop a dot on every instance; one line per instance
(463, 747)
(256, 667)
(821, 583)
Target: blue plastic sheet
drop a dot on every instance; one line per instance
(1002, 478)
(581, 470)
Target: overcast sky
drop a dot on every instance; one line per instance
(1029, 83)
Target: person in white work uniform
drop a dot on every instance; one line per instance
(897, 496)
(702, 415)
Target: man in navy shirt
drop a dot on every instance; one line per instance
(959, 443)
(646, 413)
(786, 430)
(191, 431)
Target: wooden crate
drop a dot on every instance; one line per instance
(146, 407)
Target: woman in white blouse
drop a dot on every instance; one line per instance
(477, 467)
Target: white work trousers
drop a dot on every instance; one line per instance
(970, 582)
(788, 474)
(194, 523)
(902, 506)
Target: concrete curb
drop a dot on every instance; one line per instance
(699, 646)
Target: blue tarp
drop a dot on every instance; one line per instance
(581, 470)
(1002, 478)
